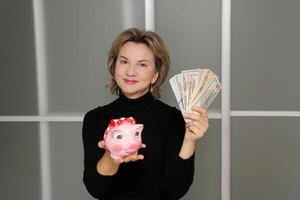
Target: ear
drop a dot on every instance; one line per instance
(155, 77)
(139, 127)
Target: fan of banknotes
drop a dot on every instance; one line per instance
(195, 87)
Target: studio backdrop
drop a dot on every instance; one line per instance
(53, 70)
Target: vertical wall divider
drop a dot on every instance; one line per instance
(41, 73)
(150, 15)
(127, 11)
(225, 104)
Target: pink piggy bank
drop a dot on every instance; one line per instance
(123, 137)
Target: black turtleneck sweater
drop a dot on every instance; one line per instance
(162, 175)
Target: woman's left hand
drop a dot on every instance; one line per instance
(198, 124)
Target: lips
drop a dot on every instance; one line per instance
(130, 81)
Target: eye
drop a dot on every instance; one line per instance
(119, 137)
(143, 65)
(137, 134)
(123, 61)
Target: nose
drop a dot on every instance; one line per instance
(131, 70)
(134, 146)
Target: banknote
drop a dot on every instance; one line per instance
(207, 95)
(195, 87)
(190, 78)
(176, 85)
(206, 83)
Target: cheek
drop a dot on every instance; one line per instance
(149, 75)
(135, 146)
(138, 139)
(119, 70)
(119, 73)
(117, 148)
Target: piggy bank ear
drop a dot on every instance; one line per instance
(139, 127)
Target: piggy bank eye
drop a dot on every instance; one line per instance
(137, 134)
(119, 137)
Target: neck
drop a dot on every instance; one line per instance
(139, 103)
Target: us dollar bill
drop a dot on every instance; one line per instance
(195, 87)
(209, 94)
(191, 78)
(176, 85)
(205, 82)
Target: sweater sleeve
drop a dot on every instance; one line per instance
(96, 184)
(178, 173)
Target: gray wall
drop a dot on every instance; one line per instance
(19, 142)
(265, 73)
(265, 55)
(264, 76)
(17, 59)
(192, 31)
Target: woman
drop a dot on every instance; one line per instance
(164, 168)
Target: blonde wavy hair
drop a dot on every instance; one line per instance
(154, 42)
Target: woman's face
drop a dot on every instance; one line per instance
(135, 69)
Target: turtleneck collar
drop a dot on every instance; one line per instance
(127, 104)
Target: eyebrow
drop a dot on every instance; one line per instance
(124, 57)
(143, 60)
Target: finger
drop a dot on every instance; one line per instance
(199, 109)
(133, 158)
(204, 113)
(197, 124)
(141, 157)
(197, 117)
(129, 158)
(201, 120)
(187, 125)
(192, 116)
(119, 161)
(143, 146)
(193, 130)
(197, 132)
(203, 128)
(126, 159)
(137, 157)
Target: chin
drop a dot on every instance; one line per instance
(128, 92)
(133, 93)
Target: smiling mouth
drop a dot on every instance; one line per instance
(130, 81)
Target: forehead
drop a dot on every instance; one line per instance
(136, 51)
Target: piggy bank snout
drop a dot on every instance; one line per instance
(134, 146)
